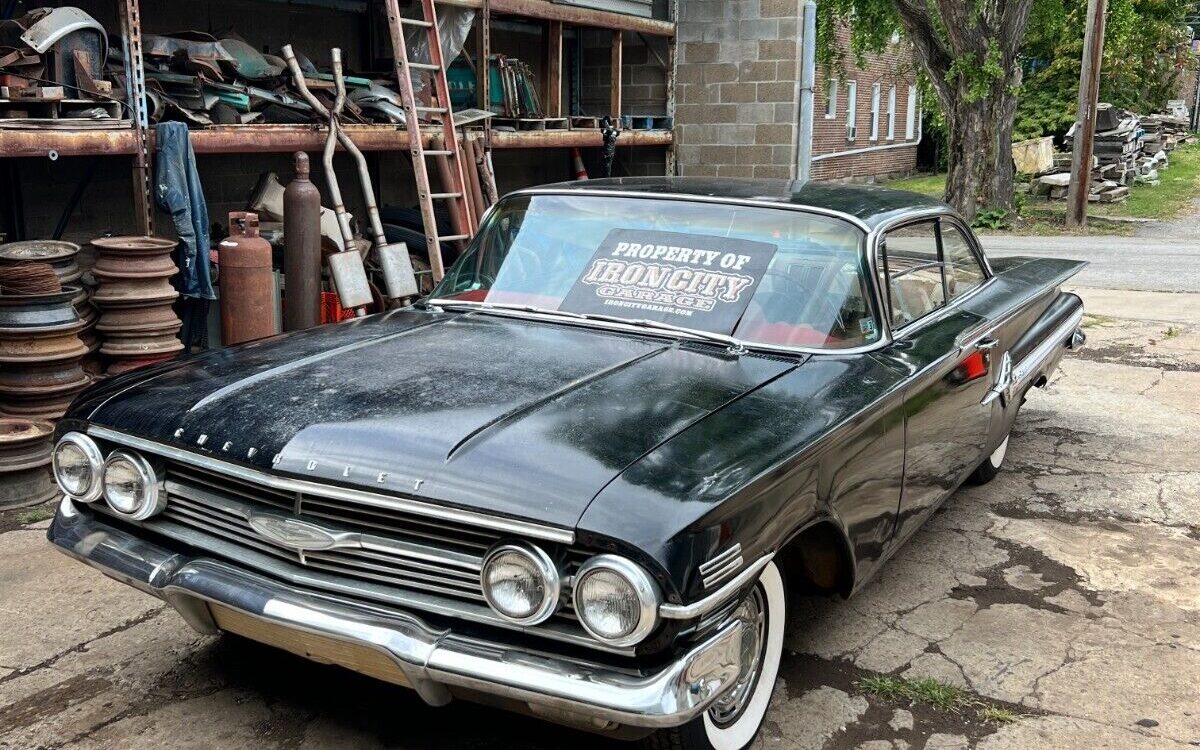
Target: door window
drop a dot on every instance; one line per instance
(913, 268)
(963, 272)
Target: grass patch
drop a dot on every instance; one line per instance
(924, 690)
(1171, 198)
(937, 694)
(1171, 332)
(33, 515)
(1091, 320)
(997, 715)
(926, 184)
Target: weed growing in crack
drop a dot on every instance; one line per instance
(936, 694)
(34, 515)
(924, 690)
(996, 715)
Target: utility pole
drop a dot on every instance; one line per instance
(1085, 119)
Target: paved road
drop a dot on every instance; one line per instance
(1150, 263)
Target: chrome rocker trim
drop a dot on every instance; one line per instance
(432, 660)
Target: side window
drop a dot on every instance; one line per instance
(963, 272)
(913, 270)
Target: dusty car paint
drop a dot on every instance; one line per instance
(667, 450)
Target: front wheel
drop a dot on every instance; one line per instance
(990, 467)
(733, 721)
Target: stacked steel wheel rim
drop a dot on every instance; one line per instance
(138, 325)
(61, 255)
(40, 354)
(25, 451)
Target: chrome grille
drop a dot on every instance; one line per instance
(388, 547)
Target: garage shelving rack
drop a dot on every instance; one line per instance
(137, 140)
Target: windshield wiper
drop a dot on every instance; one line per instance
(736, 346)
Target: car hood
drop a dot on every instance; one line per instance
(521, 418)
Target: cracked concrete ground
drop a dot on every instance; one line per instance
(1066, 591)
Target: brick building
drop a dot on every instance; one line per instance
(738, 98)
(867, 122)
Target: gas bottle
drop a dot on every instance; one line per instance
(302, 250)
(247, 285)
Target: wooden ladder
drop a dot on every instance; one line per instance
(442, 118)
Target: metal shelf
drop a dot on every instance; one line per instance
(245, 139)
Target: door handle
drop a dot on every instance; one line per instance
(986, 344)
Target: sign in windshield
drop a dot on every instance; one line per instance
(697, 281)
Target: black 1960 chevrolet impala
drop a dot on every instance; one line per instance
(581, 478)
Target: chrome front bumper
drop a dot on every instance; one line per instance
(433, 660)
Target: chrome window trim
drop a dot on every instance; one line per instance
(875, 242)
(701, 607)
(405, 505)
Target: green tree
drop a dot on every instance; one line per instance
(969, 51)
(1145, 51)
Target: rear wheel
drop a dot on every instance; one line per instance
(733, 721)
(990, 467)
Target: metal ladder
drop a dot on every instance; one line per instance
(442, 119)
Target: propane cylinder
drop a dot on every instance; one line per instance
(302, 250)
(247, 285)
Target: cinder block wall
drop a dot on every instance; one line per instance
(737, 88)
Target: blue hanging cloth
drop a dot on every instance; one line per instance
(177, 191)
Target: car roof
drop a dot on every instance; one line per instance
(869, 204)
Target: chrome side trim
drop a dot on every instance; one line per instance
(721, 566)
(1024, 370)
(703, 606)
(431, 659)
(405, 505)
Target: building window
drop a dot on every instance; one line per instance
(875, 112)
(891, 113)
(831, 97)
(910, 115)
(851, 110)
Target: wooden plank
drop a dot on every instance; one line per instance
(318, 648)
(553, 96)
(617, 48)
(571, 15)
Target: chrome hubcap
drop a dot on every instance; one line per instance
(726, 709)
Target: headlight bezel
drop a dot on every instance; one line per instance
(95, 459)
(545, 567)
(154, 500)
(647, 591)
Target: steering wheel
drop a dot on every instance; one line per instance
(774, 303)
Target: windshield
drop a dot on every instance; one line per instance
(763, 275)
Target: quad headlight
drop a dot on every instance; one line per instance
(616, 601)
(521, 583)
(131, 486)
(77, 464)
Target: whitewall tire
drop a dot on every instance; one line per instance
(990, 467)
(733, 722)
